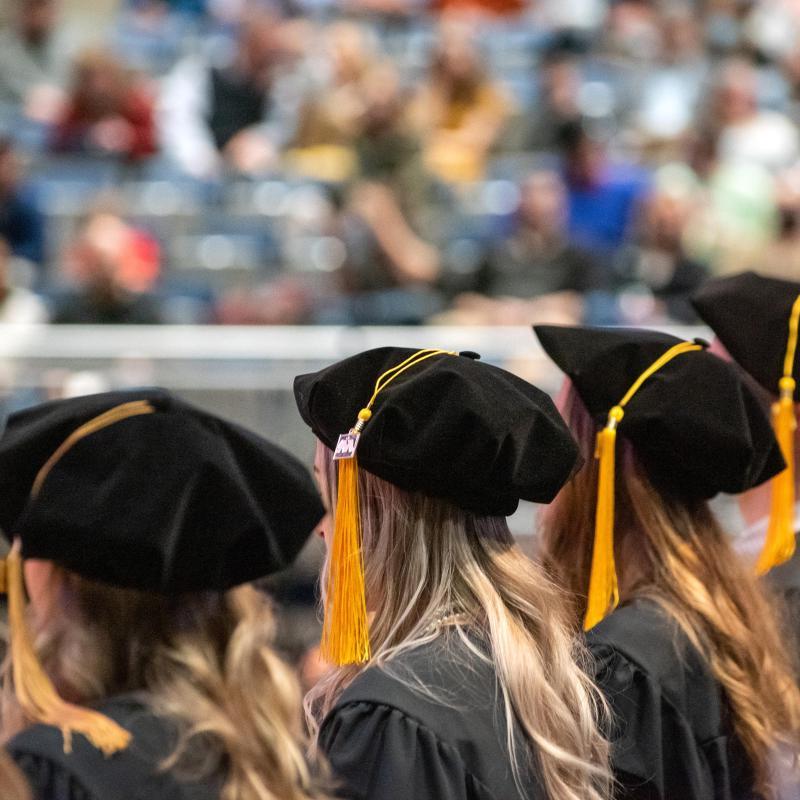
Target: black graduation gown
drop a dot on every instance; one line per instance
(784, 580)
(672, 734)
(446, 741)
(86, 774)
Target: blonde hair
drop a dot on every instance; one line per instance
(423, 557)
(673, 551)
(205, 662)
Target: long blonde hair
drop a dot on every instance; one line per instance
(423, 557)
(204, 660)
(672, 550)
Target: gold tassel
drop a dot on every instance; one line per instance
(345, 630)
(780, 542)
(603, 594)
(34, 689)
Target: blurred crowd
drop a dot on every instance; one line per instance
(394, 161)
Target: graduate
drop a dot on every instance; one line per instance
(142, 667)
(455, 675)
(756, 320)
(686, 645)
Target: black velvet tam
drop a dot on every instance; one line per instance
(696, 424)
(450, 427)
(173, 501)
(750, 315)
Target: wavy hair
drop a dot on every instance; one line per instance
(425, 557)
(673, 551)
(204, 660)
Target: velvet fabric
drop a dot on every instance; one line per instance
(750, 315)
(450, 427)
(696, 424)
(174, 501)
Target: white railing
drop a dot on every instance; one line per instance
(261, 344)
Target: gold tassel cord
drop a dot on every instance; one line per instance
(345, 628)
(34, 689)
(779, 545)
(117, 414)
(417, 358)
(603, 593)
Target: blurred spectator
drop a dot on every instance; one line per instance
(111, 266)
(108, 112)
(100, 299)
(389, 272)
(385, 146)
(106, 242)
(459, 111)
(747, 133)
(535, 273)
(403, 257)
(738, 215)
(779, 257)
(32, 62)
(17, 304)
(21, 222)
(603, 196)
(538, 258)
(328, 122)
(673, 85)
(389, 151)
(657, 261)
(557, 102)
(367, 137)
(214, 117)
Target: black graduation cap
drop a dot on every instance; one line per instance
(756, 319)
(696, 423)
(448, 426)
(140, 489)
(750, 315)
(697, 426)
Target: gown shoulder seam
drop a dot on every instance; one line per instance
(664, 697)
(420, 724)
